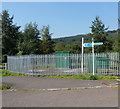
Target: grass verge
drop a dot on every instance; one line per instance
(80, 77)
(85, 77)
(8, 73)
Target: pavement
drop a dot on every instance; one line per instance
(83, 93)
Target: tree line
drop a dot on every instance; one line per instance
(100, 33)
(29, 41)
(38, 41)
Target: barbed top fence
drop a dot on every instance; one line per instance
(64, 64)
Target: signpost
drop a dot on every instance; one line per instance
(93, 55)
(82, 54)
(98, 43)
(89, 45)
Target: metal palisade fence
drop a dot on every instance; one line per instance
(105, 64)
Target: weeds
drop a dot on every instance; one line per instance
(5, 87)
(8, 73)
(84, 77)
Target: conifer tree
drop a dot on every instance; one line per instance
(10, 35)
(47, 43)
(99, 33)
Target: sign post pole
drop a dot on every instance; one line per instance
(90, 45)
(82, 54)
(93, 55)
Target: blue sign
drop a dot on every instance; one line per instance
(90, 44)
(87, 44)
(99, 43)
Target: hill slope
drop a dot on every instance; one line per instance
(78, 38)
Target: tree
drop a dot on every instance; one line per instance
(29, 40)
(100, 35)
(0, 41)
(60, 46)
(10, 35)
(73, 47)
(118, 36)
(47, 43)
(117, 41)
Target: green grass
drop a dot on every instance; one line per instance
(80, 77)
(8, 73)
(85, 77)
(5, 87)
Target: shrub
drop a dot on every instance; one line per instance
(8, 73)
(5, 87)
(94, 77)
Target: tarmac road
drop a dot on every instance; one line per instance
(29, 82)
(93, 97)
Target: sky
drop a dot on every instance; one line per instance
(119, 13)
(64, 18)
